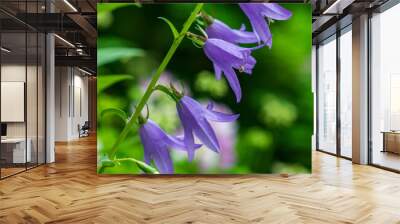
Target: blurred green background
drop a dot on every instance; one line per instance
(273, 133)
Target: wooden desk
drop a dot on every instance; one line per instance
(391, 141)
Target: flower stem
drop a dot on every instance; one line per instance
(143, 166)
(154, 79)
(166, 91)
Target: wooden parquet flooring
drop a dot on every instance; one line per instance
(70, 191)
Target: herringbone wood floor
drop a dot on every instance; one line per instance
(70, 191)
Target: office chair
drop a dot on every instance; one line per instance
(84, 130)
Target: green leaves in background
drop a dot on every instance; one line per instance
(111, 7)
(104, 15)
(105, 81)
(277, 112)
(112, 54)
(206, 82)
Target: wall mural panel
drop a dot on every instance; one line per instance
(204, 88)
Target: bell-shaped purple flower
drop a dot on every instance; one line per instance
(156, 144)
(226, 56)
(256, 12)
(220, 30)
(195, 121)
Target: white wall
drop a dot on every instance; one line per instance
(50, 94)
(62, 81)
(33, 126)
(71, 94)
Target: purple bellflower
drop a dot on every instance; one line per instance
(220, 30)
(225, 57)
(156, 144)
(195, 121)
(256, 12)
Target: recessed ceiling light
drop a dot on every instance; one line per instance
(70, 5)
(64, 40)
(337, 7)
(5, 50)
(84, 71)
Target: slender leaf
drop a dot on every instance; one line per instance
(113, 41)
(120, 113)
(111, 54)
(105, 81)
(146, 168)
(171, 26)
(142, 165)
(104, 163)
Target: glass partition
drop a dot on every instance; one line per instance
(327, 95)
(14, 153)
(22, 77)
(346, 93)
(385, 89)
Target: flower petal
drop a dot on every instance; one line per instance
(218, 71)
(223, 52)
(146, 142)
(155, 143)
(206, 134)
(187, 123)
(257, 20)
(197, 121)
(233, 82)
(220, 117)
(220, 30)
(210, 105)
(275, 11)
(244, 37)
(163, 160)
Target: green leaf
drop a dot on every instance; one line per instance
(105, 81)
(110, 41)
(111, 54)
(105, 12)
(171, 26)
(105, 162)
(120, 113)
(142, 165)
(106, 7)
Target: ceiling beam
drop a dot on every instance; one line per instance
(78, 61)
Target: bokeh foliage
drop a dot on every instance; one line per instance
(276, 111)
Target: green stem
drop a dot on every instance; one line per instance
(166, 91)
(154, 80)
(143, 166)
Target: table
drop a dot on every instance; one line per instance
(18, 150)
(391, 141)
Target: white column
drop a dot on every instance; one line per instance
(50, 100)
(314, 91)
(360, 90)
